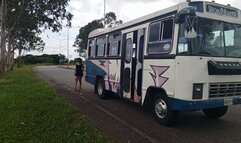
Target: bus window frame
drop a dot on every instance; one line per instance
(160, 38)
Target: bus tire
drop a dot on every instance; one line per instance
(101, 92)
(162, 111)
(215, 113)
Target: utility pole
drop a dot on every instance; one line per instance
(104, 12)
(68, 56)
(60, 50)
(68, 47)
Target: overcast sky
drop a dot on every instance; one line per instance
(85, 11)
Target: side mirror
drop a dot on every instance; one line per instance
(188, 11)
(188, 17)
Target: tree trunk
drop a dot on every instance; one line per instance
(10, 53)
(3, 35)
(12, 60)
(19, 58)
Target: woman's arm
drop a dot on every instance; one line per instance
(82, 67)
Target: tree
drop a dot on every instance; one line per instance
(45, 58)
(27, 19)
(82, 38)
(110, 20)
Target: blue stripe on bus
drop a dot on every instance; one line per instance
(92, 70)
(178, 104)
(90, 79)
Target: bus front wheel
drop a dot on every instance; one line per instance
(162, 111)
(101, 89)
(215, 112)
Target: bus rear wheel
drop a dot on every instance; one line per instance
(215, 113)
(162, 111)
(101, 89)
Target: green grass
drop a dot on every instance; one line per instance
(31, 112)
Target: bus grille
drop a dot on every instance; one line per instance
(224, 89)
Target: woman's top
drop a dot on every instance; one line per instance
(79, 70)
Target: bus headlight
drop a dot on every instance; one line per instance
(197, 91)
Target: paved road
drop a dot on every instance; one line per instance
(123, 121)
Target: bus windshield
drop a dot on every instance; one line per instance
(214, 38)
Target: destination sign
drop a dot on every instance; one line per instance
(222, 11)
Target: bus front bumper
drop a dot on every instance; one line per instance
(185, 105)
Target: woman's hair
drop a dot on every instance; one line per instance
(79, 60)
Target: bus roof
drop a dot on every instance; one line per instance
(98, 32)
(216, 10)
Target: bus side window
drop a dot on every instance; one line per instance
(154, 32)
(100, 47)
(167, 30)
(129, 45)
(160, 37)
(113, 48)
(100, 50)
(91, 48)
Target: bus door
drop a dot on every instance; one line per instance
(139, 65)
(132, 59)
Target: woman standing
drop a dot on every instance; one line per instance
(79, 68)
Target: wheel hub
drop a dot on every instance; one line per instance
(161, 108)
(100, 89)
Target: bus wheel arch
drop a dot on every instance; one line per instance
(100, 87)
(96, 82)
(151, 91)
(158, 102)
(215, 113)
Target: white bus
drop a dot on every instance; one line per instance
(183, 58)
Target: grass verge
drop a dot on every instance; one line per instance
(30, 111)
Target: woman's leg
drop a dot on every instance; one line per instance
(80, 82)
(76, 82)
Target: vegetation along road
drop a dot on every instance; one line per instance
(30, 111)
(127, 122)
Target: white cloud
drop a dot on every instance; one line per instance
(236, 3)
(133, 11)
